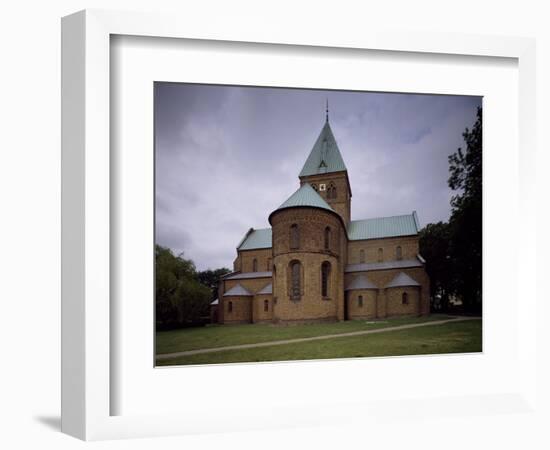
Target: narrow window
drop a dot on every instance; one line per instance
(361, 256)
(255, 265)
(229, 307)
(295, 286)
(294, 237)
(380, 255)
(331, 191)
(405, 298)
(327, 238)
(325, 274)
(398, 253)
(360, 301)
(266, 305)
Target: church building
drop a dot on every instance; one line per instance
(315, 264)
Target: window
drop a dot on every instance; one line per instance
(361, 256)
(254, 265)
(294, 237)
(380, 255)
(229, 307)
(360, 301)
(266, 305)
(405, 298)
(398, 253)
(331, 191)
(327, 238)
(325, 275)
(314, 186)
(295, 281)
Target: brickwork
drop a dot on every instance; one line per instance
(311, 254)
(368, 309)
(237, 309)
(342, 203)
(408, 244)
(395, 305)
(382, 277)
(262, 302)
(245, 260)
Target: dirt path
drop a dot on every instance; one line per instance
(314, 338)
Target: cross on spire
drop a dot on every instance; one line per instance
(327, 110)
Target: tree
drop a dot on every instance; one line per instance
(435, 248)
(466, 217)
(211, 278)
(180, 299)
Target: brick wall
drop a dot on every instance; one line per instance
(259, 314)
(241, 309)
(368, 310)
(409, 249)
(245, 260)
(311, 306)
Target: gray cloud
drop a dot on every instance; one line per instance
(227, 156)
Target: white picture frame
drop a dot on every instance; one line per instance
(86, 201)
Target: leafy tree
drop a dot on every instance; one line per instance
(180, 299)
(466, 217)
(435, 248)
(211, 278)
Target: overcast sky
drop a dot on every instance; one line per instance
(228, 156)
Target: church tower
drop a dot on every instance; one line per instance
(326, 172)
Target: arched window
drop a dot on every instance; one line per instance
(266, 305)
(254, 265)
(325, 278)
(294, 237)
(295, 280)
(327, 238)
(360, 301)
(405, 298)
(398, 253)
(229, 307)
(361, 256)
(380, 255)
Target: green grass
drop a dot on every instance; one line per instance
(453, 337)
(214, 336)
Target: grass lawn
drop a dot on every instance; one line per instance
(213, 336)
(457, 337)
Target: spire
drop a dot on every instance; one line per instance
(325, 156)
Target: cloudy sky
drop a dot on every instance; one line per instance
(228, 156)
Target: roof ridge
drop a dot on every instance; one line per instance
(381, 217)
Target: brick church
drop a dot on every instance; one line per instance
(316, 264)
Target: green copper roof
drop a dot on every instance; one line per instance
(382, 227)
(305, 196)
(325, 156)
(255, 239)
